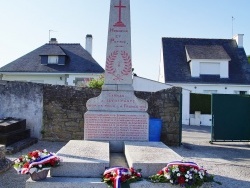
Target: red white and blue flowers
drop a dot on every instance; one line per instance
(36, 161)
(116, 177)
(185, 174)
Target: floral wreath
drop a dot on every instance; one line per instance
(36, 161)
(117, 177)
(185, 174)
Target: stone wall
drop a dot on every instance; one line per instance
(64, 109)
(23, 100)
(56, 112)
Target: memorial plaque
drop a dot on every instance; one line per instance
(116, 126)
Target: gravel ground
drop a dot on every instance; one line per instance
(228, 161)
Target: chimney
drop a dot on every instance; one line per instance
(88, 45)
(53, 41)
(239, 40)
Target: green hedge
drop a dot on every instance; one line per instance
(200, 102)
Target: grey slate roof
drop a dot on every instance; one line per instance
(78, 60)
(206, 52)
(176, 66)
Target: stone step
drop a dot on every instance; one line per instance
(82, 158)
(14, 136)
(150, 157)
(118, 159)
(20, 145)
(64, 182)
(12, 124)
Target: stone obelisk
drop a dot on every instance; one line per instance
(117, 115)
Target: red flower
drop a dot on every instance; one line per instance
(181, 180)
(108, 175)
(34, 154)
(182, 169)
(123, 178)
(26, 165)
(21, 159)
(139, 175)
(132, 170)
(52, 162)
(160, 172)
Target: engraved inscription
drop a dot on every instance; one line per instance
(116, 126)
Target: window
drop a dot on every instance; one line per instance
(243, 92)
(52, 59)
(240, 92)
(211, 68)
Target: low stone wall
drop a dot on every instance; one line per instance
(64, 109)
(63, 113)
(56, 113)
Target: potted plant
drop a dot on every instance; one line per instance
(36, 163)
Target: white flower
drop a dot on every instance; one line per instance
(188, 172)
(40, 165)
(190, 177)
(167, 175)
(186, 176)
(45, 151)
(186, 180)
(33, 158)
(17, 161)
(171, 181)
(178, 174)
(201, 177)
(195, 170)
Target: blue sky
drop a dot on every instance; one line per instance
(25, 26)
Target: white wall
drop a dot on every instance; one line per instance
(161, 71)
(54, 79)
(210, 67)
(142, 84)
(48, 79)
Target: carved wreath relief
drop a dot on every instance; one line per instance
(118, 64)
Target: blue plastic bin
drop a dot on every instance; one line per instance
(155, 129)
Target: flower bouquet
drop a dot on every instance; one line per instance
(38, 161)
(185, 174)
(119, 177)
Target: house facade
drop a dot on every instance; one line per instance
(204, 66)
(55, 63)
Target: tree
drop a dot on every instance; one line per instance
(96, 83)
(248, 57)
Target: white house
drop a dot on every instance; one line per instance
(201, 66)
(55, 63)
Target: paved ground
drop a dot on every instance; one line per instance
(229, 162)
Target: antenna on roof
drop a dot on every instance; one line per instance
(51, 31)
(233, 26)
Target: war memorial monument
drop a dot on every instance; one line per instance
(116, 124)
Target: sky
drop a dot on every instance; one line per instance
(25, 25)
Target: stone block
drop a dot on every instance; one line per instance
(82, 158)
(150, 157)
(66, 182)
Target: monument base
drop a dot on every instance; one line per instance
(116, 127)
(78, 154)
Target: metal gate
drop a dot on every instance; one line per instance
(231, 118)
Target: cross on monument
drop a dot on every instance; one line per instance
(120, 23)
